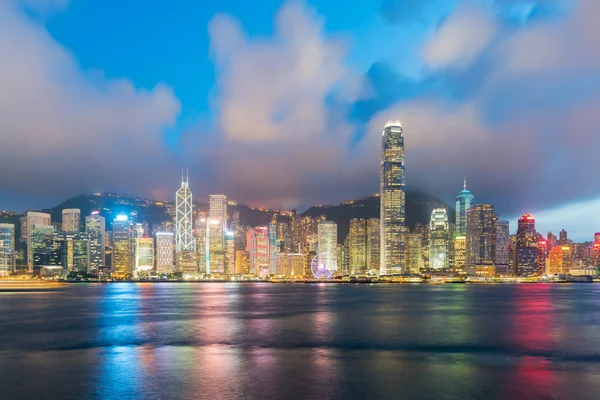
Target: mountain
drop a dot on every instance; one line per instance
(418, 209)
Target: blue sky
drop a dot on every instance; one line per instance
(279, 103)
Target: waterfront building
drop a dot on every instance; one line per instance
(257, 246)
(7, 249)
(525, 262)
(122, 248)
(242, 262)
(71, 250)
(559, 260)
(439, 239)
(164, 253)
(290, 265)
(464, 201)
(230, 252)
(542, 255)
(564, 240)
(596, 250)
(273, 245)
(502, 242)
(357, 243)
(327, 245)
(41, 238)
(144, 257)
(414, 252)
(185, 242)
(71, 219)
(551, 240)
(373, 246)
(392, 200)
(32, 218)
(460, 252)
(95, 227)
(200, 232)
(216, 236)
(481, 238)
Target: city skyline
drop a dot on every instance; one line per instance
(507, 124)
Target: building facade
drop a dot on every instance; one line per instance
(165, 262)
(95, 227)
(439, 239)
(327, 245)
(7, 249)
(71, 219)
(481, 237)
(464, 201)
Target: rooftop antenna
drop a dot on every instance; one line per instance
(465, 183)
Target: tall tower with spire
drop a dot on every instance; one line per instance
(393, 200)
(464, 201)
(184, 239)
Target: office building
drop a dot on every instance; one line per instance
(481, 238)
(95, 227)
(122, 247)
(525, 261)
(563, 239)
(165, 262)
(32, 218)
(71, 219)
(41, 239)
(414, 253)
(502, 242)
(273, 246)
(144, 257)
(216, 236)
(7, 249)
(392, 200)
(439, 239)
(71, 250)
(559, 260)
(290, 265)
(200, 233)
(257, 246)
(242, 262)
(373, 246)
(464, 201)
(460, 252)
(327, 245)
(357, 246)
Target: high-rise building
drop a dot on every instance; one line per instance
(216, 236)
(393, 198)
(414, 252)
(373, 246)
(122, 249)
(164, 253)
(230, 252)
(526, 253)
(273, 248)
(564, 240)
(257, 245)
(7, 249)
(439, 239)
(200, 232)
(71, 219)
(464, 201)
(559, 260)
(184, 210)
(542, 245)
(502, 242)
(552, 240)
(144, 257)
(357, 246)
(41, 238)
(327, 245)
(95, 227)
(71, 250)
(481, 237)
(242, 262)
(460, 252)
(596, 250)
(32, 218)
(290, 265)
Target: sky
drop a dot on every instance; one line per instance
(282, 103)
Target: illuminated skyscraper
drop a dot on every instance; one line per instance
(164, 253)
(464, 201)
(502, 242)
(414, 252)
(257, 246)
(542, 245)
(327, 244)
(596, 250)
(230, 252)
(122, 249)
(439, 239)
(552, 240)
(392, 198)
(216, 236)
(41, 239)
(357, 246)
(481, 237)
(95, 227)
(273, 249)
(144, 257)
(71, 219)
(7, 249)
(559, 260)
(526, 253)
(184, 209)
(564, 240)
(373, 246)
(460, 252)
(200, 232)
(33, 218)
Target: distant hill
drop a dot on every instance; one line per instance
(418, 209)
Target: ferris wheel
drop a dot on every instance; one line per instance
(318, 266)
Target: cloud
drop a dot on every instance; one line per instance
(282, 138)
(66, 129)
(526, 133)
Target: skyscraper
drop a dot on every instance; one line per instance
(327, 244)
(95, 227)
(526, 253)
(414, 252)
(121, 258)
(216, 236)
(164, 253)
(439, 239)
(33, 218)
(41, 238)
(564, 240)
(460, 252)
(71, 219)
(71, 250)
(357, 246)
(273, 249)
(552, 241)
(7, 249)
(373, 246)
(200, 232)
(464, 201)
(257, 245)
(502, 242)
(392, 198)
(481, 238)
(184, 209)
(144, 257)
